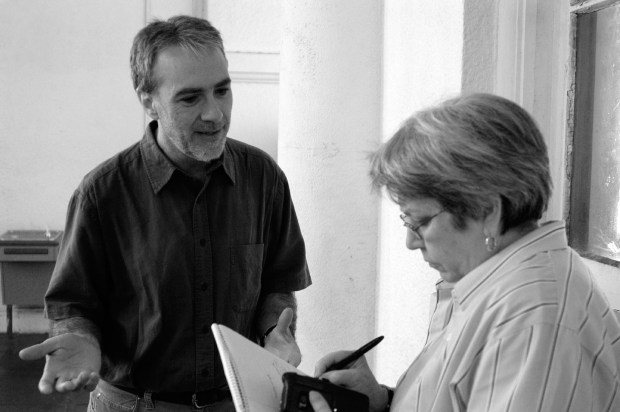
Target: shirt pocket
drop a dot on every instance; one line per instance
(246, 266)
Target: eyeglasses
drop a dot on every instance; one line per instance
(416, 229)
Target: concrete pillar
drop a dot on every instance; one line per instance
(330, 118)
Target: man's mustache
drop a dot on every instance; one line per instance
(209, 127)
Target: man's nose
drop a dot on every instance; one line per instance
(211, 110)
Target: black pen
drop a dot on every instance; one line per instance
(355, 355)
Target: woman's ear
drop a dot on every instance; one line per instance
(146, 99)
(493, 220)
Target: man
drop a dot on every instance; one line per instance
(184, 228)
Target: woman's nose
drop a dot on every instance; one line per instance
(413, 241)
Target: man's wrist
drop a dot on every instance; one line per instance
(263, 337)
(78, 326)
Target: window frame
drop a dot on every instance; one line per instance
(535, 67)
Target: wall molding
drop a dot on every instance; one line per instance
(533, 69)
(254, 67)
(516, 50)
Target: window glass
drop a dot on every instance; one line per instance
(594, 220)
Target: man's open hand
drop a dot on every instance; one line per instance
(72, 362)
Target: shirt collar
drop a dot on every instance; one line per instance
(551, 235)
(229, 163)
(160, 169)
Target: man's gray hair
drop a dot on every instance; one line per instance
(188, 32)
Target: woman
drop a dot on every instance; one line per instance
(520, 324)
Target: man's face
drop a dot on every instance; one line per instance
(192, 103)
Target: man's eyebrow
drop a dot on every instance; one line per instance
(222, 83)
(188, 90)
(197, 90)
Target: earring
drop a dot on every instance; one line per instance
(491, 243)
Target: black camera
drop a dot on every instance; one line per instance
(296, 388)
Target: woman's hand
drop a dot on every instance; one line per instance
(318, 402)
(357, 377)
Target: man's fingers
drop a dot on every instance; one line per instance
(284, 321)
(37, 351)
(88, 381)
(65, 386)
(92, 382)
(46, 386)
(85, 380)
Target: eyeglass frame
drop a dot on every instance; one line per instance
(426, 221)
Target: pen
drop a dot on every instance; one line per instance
(355, 355)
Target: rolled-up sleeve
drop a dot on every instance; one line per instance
(78, 281)
(285, 268)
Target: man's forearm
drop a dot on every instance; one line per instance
(270, 308)
(81, 326)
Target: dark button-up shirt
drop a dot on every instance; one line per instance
(153, 257)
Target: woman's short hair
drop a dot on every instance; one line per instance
(191, 33)
(462, 152)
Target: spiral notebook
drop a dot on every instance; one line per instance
(254, 375)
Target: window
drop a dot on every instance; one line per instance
(594, 215)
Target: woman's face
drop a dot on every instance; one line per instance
(454, 253)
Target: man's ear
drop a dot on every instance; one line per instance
(146, 99)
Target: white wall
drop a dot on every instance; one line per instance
(67, 102)
(423, 43)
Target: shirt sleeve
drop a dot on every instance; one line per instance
(541, 368)
(285, 268)
(78, 282)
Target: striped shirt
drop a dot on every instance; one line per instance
(527, 330)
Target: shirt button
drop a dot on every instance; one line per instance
(203, 242)
(205, 373)
(204, 287)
